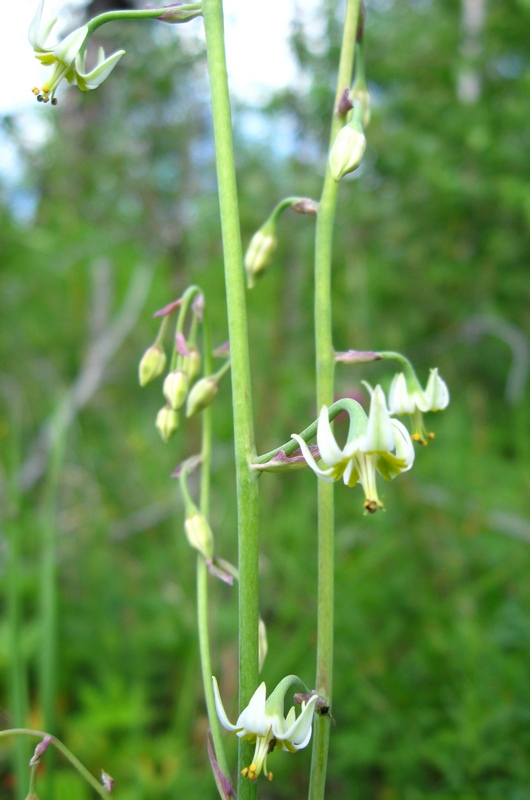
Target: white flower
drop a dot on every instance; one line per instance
(67, 58)
(407, 397)
(263, 721)
(378, 444)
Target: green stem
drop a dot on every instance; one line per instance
(18, 674)
(325, 367)
(202, 570)
(155, 13)
(247, 487)
(82, 770)
(48, 582)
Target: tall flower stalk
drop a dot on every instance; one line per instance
(247, 488)
(325, 369)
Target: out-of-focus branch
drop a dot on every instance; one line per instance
(100, 351)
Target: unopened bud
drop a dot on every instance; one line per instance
(174, 13)
(260, 252)
(167, 422)
(201, 395)
(176, 388)
(192, 363)
(199, 533)
(305, 206)
(349, 146)
(152, 364)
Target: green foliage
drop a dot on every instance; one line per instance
(433, 603)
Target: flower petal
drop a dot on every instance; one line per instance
(221, 713)
(101, 71)
(252, 719)
(379, 436)
(327, 474)
(437, 392)
(327, 444)
(299, 733)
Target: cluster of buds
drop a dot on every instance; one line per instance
(180, 385)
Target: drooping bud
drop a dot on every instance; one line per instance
(176, 387)
(349, 146)
(152, 364)
(167, 422)
(192, 363)
(260, 251)
(199, 533)
(201, 395)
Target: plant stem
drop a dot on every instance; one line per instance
(325, 368)
(247, 487)
(89, 778)
(202, 571)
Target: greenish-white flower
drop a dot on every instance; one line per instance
(67, 58)
(406, 396)
(377, 444)
(263, 721)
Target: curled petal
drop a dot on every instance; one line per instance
(327, 475)
(298, 733)
(219, 707)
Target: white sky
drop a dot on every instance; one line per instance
(257, 50)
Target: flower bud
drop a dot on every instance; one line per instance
(192, 363)
(176, 388)
(260, 252)
(349, 146)
(152, 364)
(199, 533)
(201, 395)
(167, 422)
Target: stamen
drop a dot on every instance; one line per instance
(270, 776)
(35, 91)
(371, 506)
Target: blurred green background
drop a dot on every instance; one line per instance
(114, 215)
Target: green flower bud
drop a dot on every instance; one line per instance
(201, 395)
(192, 363)
(152, 364)
(260, 252)
(176, 388)
(349, 146)
(199, 533)
(167, 422)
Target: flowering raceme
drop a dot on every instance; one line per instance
(263, 721)
(379, 444)
(67, 58)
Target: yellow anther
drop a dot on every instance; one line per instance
(270, 776)
(244, 772)
(35, 90)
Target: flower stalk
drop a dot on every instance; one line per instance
(246, 480)
(325, 370)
